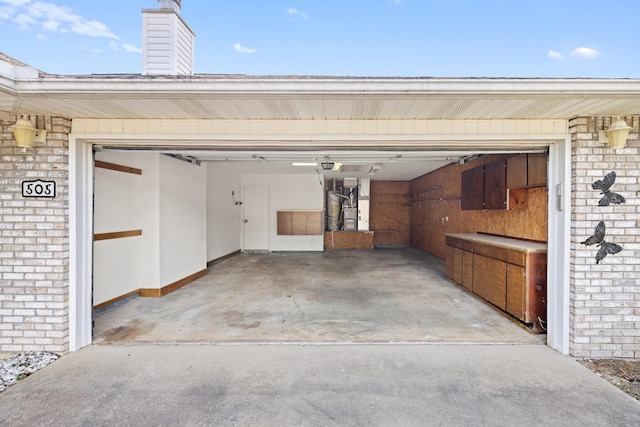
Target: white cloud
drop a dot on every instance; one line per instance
(131, 48)
(52, 17)
(585, 52)
(241, 49)
(51, 26)
(114, 45)
(552, 54)
(293, 12)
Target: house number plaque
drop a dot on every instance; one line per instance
(39, 188)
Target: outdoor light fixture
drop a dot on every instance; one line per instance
(26, 133)
(616, 135)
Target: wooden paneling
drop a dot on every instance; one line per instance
(116, 235)
(389, 215)
(285, 227)
(334, 240)
(118, 168)
(314, 223)
(529, 223)
(299, 223)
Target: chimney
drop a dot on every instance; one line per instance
(167, 41)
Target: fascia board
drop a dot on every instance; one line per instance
(501, 88)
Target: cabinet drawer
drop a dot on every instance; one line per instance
(517, 258)
(490, 251)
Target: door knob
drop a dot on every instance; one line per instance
(246, 220)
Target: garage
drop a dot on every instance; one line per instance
(283, 282)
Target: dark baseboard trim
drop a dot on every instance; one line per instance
(160, 292)
(222, 258)
(115, 300)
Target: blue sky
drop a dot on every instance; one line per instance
(440, 38)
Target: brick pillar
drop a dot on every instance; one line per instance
(604, 297)
(34, 242)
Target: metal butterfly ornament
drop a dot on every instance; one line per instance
(608, 196)
(605, 248)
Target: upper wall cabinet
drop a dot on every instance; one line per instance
(485, 187)
(473, 189)
(527, 170)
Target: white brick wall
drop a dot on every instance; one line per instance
(34, 242)
(605, 297)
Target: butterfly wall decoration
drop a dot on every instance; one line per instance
(604, 186)
(605, 248)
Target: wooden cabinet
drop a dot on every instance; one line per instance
(495, 185)
(485, 187)
(527, 170)
(473, 189)
(509, 273)
(459, 262)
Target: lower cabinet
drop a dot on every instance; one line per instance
(508, 273)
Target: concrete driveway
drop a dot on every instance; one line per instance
(321, 385)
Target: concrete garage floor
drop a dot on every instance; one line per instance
(381, 296)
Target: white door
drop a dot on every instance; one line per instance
(256, 218)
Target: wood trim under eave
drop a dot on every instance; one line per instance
(116, 235)
(119, 168)
(160, 292)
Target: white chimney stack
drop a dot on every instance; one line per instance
(167, 41)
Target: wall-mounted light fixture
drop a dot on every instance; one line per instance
(616, 135)
(26, 134)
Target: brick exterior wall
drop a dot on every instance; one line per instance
(604, 297)
(34, 242)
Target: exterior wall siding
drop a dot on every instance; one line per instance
(34, 242)
(604, 297)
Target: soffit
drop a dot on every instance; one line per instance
(307, 98)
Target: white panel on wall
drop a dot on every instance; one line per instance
(291, 192)
(183, 219)
(117, 207)
(223, 210)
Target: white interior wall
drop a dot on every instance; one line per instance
(223, 215)
(291, 192)
(168, 203)
(183, 219)
(117, 207)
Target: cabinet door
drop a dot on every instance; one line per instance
(517, 171)
(467, 270)
(537, 169)
(472, 189)
(516, 291)
(495, 185)
(448, 262)
(457, 265)
(490, 280)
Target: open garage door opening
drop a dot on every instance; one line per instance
(319, 246)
